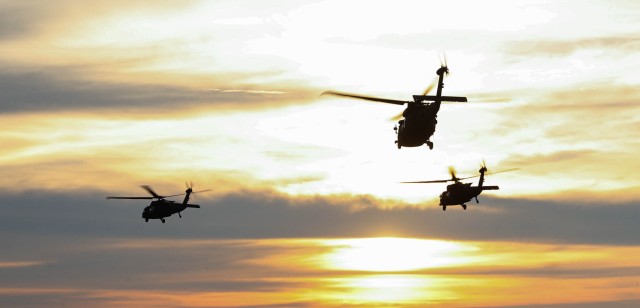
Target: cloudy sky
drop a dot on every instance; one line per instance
(100, 97)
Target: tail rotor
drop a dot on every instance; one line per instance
(452, 172)
(190, 185)
(189, 192)
(444, 67)
(483, 167)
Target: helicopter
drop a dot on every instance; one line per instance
(460, 193)
(418, 121)
(160, 207)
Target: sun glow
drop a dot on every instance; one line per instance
(387, 289)
(389, 254)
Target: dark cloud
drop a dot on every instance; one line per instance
(18, 20)
(259, 214)
(555, 271)
(519, 220)
(69, 88)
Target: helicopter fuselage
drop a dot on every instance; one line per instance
(160, 209)
(418, 125)
(460, 193)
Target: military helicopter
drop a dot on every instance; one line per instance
(161, 208)
(458, 192)
(419, 121)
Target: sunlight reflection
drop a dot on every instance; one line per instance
(387, 289)
(396, 254)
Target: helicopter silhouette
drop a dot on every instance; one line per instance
(419, 122)
(459, 193)
(160, 207)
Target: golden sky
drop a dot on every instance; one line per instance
(98, 97)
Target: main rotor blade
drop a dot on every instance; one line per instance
(367, 98)
(501, 171)
(470, 177)
(426, 182)
(494, 100)
(150, 191)
(141, 198)
(433, 84)
(397, 117)
(171, 195)
(199, 191)
(155, 195)
(490, 173)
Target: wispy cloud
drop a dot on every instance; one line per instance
(24, 20)
(47, 89)
(17, 264)
(562, 48)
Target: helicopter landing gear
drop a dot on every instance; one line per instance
(444, 207)
(430, 144)
(464, 206)
(146, 220)
(179, 215)
(399, 133)
(162, 219)
(399, 130)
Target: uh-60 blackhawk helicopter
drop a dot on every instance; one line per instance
(160, 207)
(419, 121)
(459, 193)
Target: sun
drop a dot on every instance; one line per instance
(390, 254)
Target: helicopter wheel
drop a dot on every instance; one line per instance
(444, 207)
(146, 220)
(430, 144)
(464, 206)
(162, 219)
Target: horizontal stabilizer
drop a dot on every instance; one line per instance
(490, 188)
(459, 99)
(195, 206)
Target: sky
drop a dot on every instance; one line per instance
(306, 208)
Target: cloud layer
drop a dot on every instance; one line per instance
(260, 214)
(78, 248)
